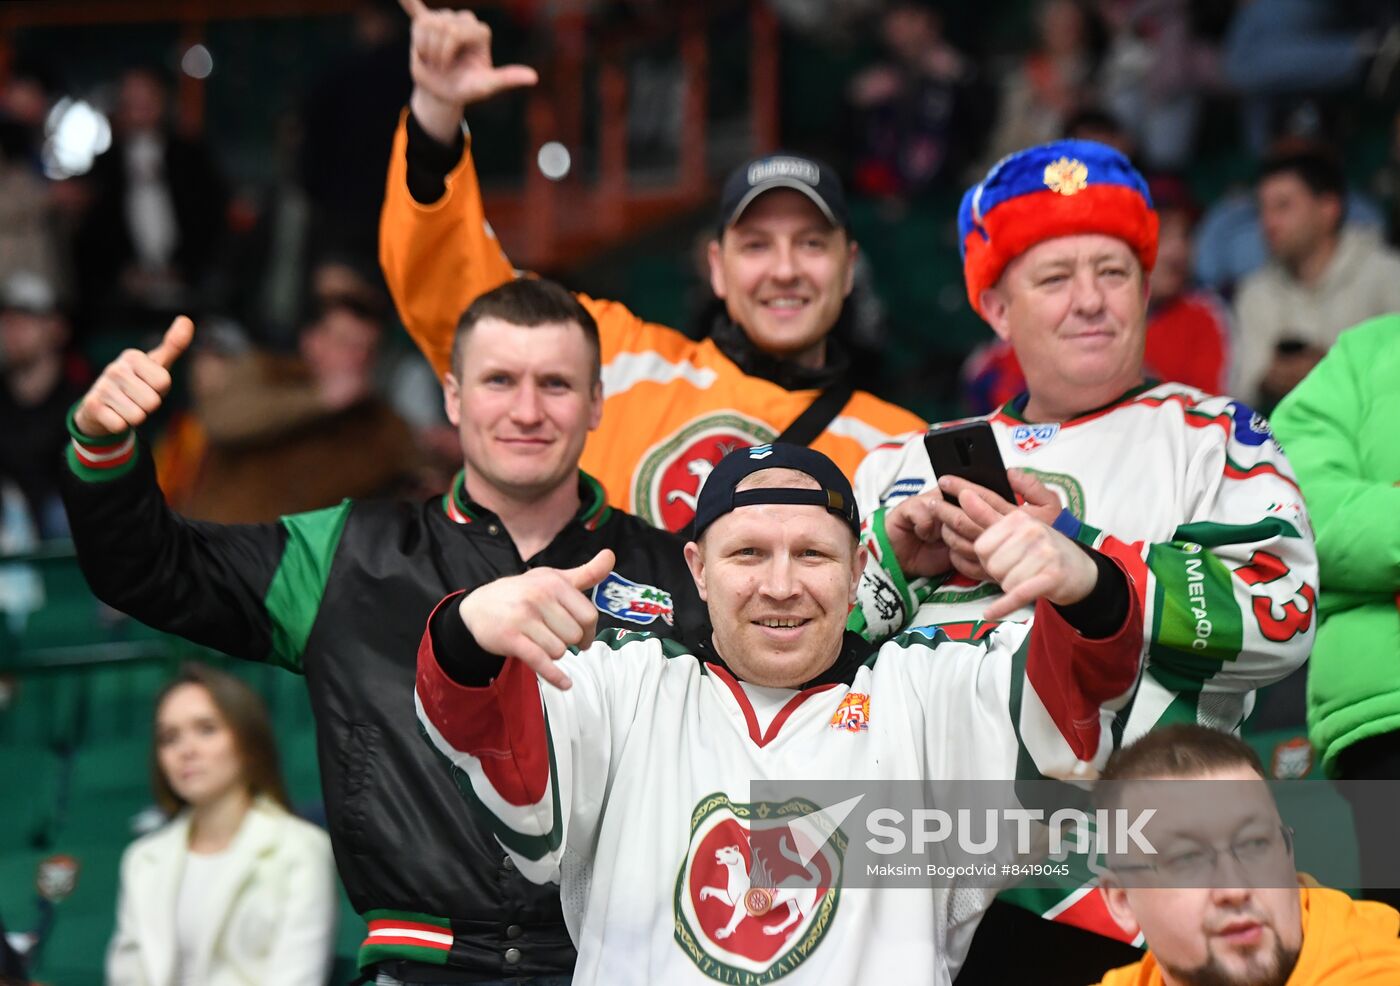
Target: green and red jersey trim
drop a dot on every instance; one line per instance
(1012, 412)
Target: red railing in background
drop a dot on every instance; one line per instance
(543, 224)
(552, 224)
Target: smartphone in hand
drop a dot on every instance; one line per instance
(969, 451)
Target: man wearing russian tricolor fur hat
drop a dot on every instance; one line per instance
(1189, 490)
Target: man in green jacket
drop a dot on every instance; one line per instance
(1339, 426)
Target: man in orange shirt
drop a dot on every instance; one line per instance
(782, 262)
(1273, 933)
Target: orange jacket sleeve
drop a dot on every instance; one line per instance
(437, 258)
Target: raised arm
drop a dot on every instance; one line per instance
(530, 755)
(437, 250)
(1071, 668)
(249, 590)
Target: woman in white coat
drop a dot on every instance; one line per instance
(234, 890)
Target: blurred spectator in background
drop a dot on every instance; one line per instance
(11, 963)
(29, 238)
(1091, 122)
(349, 122)
(921, 112)
(1322, 277)
(1230, 239)
(402, 374)
(272, 261)
(1188, 329)
(40, 383)
(1155, 73)
(183, 445)
(156, 221)
(1052, 81)
(1282, 55)
(1339, 425)
(21, 588)
(286, 434)
(235, 889)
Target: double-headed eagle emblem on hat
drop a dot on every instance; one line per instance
(1066, 176)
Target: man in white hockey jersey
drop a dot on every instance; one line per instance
(1188, 491)
(624, 774)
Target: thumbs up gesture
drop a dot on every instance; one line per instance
(450, 58)
(538, 616)
(133, 385)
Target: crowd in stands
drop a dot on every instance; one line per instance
(157, 227)
(368, 411)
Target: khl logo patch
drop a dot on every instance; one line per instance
(1028, 438)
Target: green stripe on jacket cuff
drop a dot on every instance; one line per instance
(88, 441)
(106, 447)
(89, 474)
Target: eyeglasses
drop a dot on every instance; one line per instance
(1195, 866)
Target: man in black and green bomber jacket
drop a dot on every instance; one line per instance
(340, 596)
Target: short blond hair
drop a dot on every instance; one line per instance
(778, 478)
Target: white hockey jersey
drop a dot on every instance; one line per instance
(1194, 497)
(630, 789)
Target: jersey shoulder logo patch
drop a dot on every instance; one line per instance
(1251, 427)
(635, 602)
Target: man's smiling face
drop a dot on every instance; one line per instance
(779, 580)
(523, 401)
(784, 272)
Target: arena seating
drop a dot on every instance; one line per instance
(75, 748)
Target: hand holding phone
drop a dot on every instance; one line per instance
(970, 452)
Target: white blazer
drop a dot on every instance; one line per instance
(276, 906)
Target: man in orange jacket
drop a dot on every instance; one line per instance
(1279, 930)
(782, 262)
